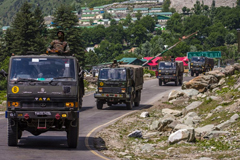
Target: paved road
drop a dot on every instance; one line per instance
(52, 145)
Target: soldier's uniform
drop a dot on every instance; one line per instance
(59, 45)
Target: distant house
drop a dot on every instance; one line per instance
(101, 8)
(100, 16)
(147, 1)
(85, 22)
(111, 10)
(103, 21)
(87, 12)
(121, 10)
(153, 63)
(90, 49)
(155, 10)
(88, 16)
(95, 12)
(84, 8)
(75, 12)
(142, 10)
(184, 60)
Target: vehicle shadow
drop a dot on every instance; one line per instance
(56, 143)
(85, 108)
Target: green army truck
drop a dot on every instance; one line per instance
(44, 93)
(170, 71)
(120, 84)
(201, 65)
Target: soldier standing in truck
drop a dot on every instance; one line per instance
(59, 45)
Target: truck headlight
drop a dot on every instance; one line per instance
(14, 104)
(159, 74)
(174, 74)
(202, 67)
(100, 90)
(191, 63)
(123, 90)
(159, 71)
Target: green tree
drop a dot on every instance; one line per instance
(138, 15)
(107, 15)
(238, 3)
(138, 35)
(148, 22)
(128, 20)
(66, 20)
(184, 9)
(166, 5)
(115, 34)
(91, 58)
(197, 8)
(230, 38)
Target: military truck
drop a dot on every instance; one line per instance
(170, 71)
(201, 65)
(119, 84)
(44, 93)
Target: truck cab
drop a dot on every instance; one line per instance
(200, 64)
(170, 71)
(44, 93)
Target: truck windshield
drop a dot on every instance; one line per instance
(42, 69)
(198, 59)
(112, 74)
(167, 65)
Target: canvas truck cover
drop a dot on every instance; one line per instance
(210, 62)
(137, 72)
(180, 65)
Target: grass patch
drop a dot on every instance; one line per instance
(214, 145)
(224, 116)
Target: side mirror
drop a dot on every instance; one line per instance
(3, 73)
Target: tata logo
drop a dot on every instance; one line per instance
(42, 90)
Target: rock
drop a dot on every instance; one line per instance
(201, 83)
(154, 125)
(209, 115)
(237, 84)
(172, 112)
(147, 147)
(136, 134)
(174, 124)
(215, 134)
(190, 92)
(236, 66)
(179, 101)
(204, 95)
(207, 128)
(190, 119)
(217, 109)
(205, 158)
(162, 123)
(175, 94)
(192, 106)
(215, 98)
(150, 134)
(229, 70)
(234, 117)
(215, 90)
(225, 102)
(181, 126)
(199, 95)
(213, 86)
(180, 135)
(218, 73)
(147, 75)
(223, 125)
(222, 81)
(144, 114)
(4, 103)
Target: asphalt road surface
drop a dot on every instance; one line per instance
(53, 145)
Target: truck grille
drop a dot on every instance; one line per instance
(111, 90)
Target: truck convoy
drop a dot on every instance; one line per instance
(44, 93)
(201, 65)
(170, 71)
(119, 84)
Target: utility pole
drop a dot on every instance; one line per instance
(238, 39)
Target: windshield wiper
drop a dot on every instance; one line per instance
(59, 78)
(26, 80)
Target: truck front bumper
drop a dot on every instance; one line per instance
(70, 115)
(169, 77)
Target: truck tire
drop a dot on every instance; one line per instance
(19, 134)
(176, 81)
(180, 81)
(192, 73)
(160, 82)
(136, 104)
(99, 105)
(12, 132)
(197, 74)
(72, 133)
(129, 105)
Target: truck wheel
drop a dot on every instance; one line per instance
(197, 74)
(160, 82)
(176, 81)
(19, 134)
(72, 133)
(136, 104)
(180, 81)
(99, 105)
(12, 132)
(109, 104)
(192, 73)
(130, 104)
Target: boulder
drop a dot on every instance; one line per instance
(147, 75)
(215, 134)
(190, 119)
(144, 114)
(237, 84)
(190, 92)
(175, 94)
(136, 134)
(218, 73)
(175, 113)
(192, 106)
(204, 129)
(215, 90)
(222, 81)
(236, 66)
(201, 83)
(179, 101)
(180, 135)
(215, 98)
(229, 70)
(174, 124)
(212, 86)
(147, 147)
(217, 109)
(182, 126)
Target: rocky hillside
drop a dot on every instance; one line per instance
(179, 4)
(199, 121)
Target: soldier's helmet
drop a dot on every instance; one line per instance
(61, 32)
